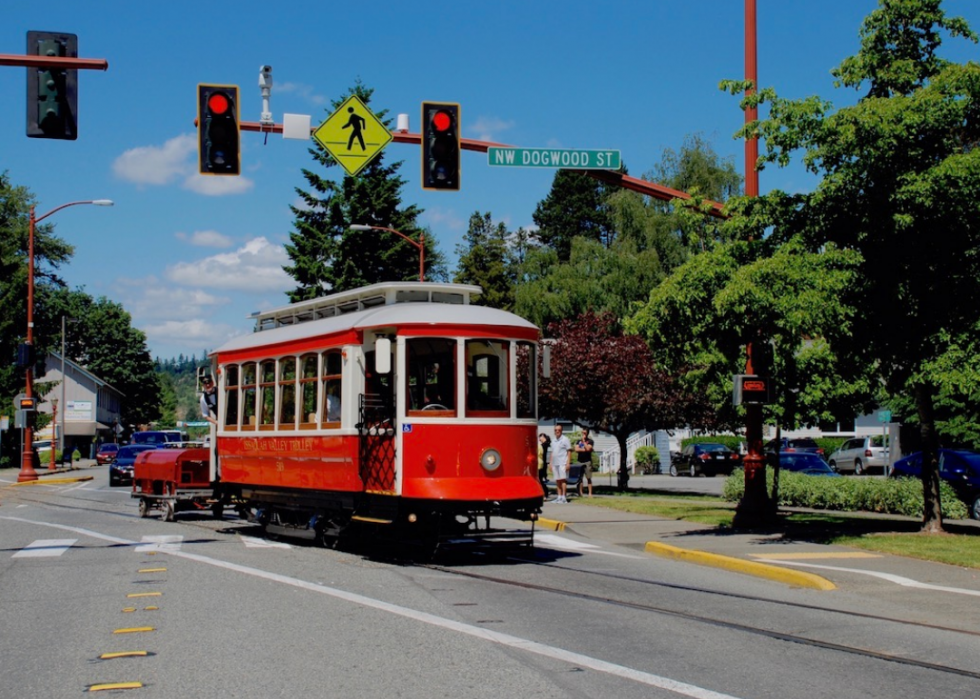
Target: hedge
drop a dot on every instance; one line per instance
(896, 496)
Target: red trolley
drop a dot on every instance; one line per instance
(398, 405)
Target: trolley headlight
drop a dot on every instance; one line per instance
(490, 459)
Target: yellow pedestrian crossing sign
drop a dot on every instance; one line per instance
(352, 135)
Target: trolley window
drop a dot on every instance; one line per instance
(332, 370)
(267, 395)
(527, 379)
(431, 376)
(487, 378)
(309, 374)
(287, 393)
(249, 395)
(231, 397)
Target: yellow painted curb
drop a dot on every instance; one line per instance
(53, 481)
(552, 524)
(738, 565)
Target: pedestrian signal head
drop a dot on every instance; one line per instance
(440, 145)
(219, 149)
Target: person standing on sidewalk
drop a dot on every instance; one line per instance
(544, 446)
(561, 459)
(584, 448)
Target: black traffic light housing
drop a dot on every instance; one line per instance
(52, 93)
(219, 138)
(25, 355)
(440, 146)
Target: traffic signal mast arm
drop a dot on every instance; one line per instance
(635, 184)
(7, 59)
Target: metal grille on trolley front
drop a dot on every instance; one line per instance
(376, 424)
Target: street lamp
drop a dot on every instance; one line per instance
(27, 472)
(420, 244)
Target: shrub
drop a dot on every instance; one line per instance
(830, 444)
(647, 459)
(897, 496)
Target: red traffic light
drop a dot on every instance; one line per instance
(441, 121)
(218, 103)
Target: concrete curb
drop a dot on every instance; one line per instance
(52, 481)
(738, 565)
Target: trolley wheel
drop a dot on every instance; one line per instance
(218, 510)
(144, 507)
(168, 510)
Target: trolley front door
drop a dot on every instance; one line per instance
(376, 423)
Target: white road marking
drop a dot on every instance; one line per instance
(897, 579)
(577, 659)
(45, 548)
(166, 543)
(559, 542)
(253, 542)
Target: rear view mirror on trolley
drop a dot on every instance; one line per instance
(546, 358)
(382, 355)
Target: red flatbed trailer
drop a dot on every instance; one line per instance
(174, 479)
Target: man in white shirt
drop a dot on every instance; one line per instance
(561, 459)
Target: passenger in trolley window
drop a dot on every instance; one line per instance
(561, 459)
(209, 400)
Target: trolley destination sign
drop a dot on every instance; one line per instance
(570, 159)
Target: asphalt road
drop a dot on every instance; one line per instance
(222, 611)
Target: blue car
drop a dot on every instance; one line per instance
(121, 468)
(807, 463)
(959, 468)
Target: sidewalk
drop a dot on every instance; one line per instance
(771, 555)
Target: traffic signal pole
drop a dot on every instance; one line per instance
(649, 189)
(7, 59)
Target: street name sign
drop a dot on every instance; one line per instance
(564, 158)
(353, 135)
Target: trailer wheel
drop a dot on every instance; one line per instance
(168, 510)
(144, 507)
(218, 510)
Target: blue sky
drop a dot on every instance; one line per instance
(190, 257)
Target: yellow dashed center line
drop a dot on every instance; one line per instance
(127, 610)
(135, 629)
(144, 594)
(115, 685)
(150, 609)
(152, 570)
(125, 654)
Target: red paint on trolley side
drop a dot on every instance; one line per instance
(304, 462)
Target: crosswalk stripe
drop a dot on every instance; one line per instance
(160, 542)
(45, 548)
(256, 543)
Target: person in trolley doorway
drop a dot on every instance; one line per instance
(209, 401)
(561, 459)
(584, 448)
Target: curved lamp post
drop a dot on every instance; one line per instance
(420, 244)
(27, 472)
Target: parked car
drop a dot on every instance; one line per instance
(959, 468)
(709, 459)
(803, 444)
(106, 453)
(121, 469)
(158, 437)
(860, 455)
(806, 463)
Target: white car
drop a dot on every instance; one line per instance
(860, 454)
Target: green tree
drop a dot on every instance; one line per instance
(326, 255)
(485, 260)
(577, 205)
(900, 173)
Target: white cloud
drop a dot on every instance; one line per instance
(441, 219)
(305, 91)
(254, 267)
(151, 298)
(206, 239)
(217, 186)
(156, 165)
(487, 128)
(192, 334)
(175, 161)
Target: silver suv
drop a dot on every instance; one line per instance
(860, 454)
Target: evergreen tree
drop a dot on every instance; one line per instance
(484, 260)
(326, 255)
(577, 205)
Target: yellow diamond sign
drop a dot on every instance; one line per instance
(352, 135)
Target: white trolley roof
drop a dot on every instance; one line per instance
(375, 306)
